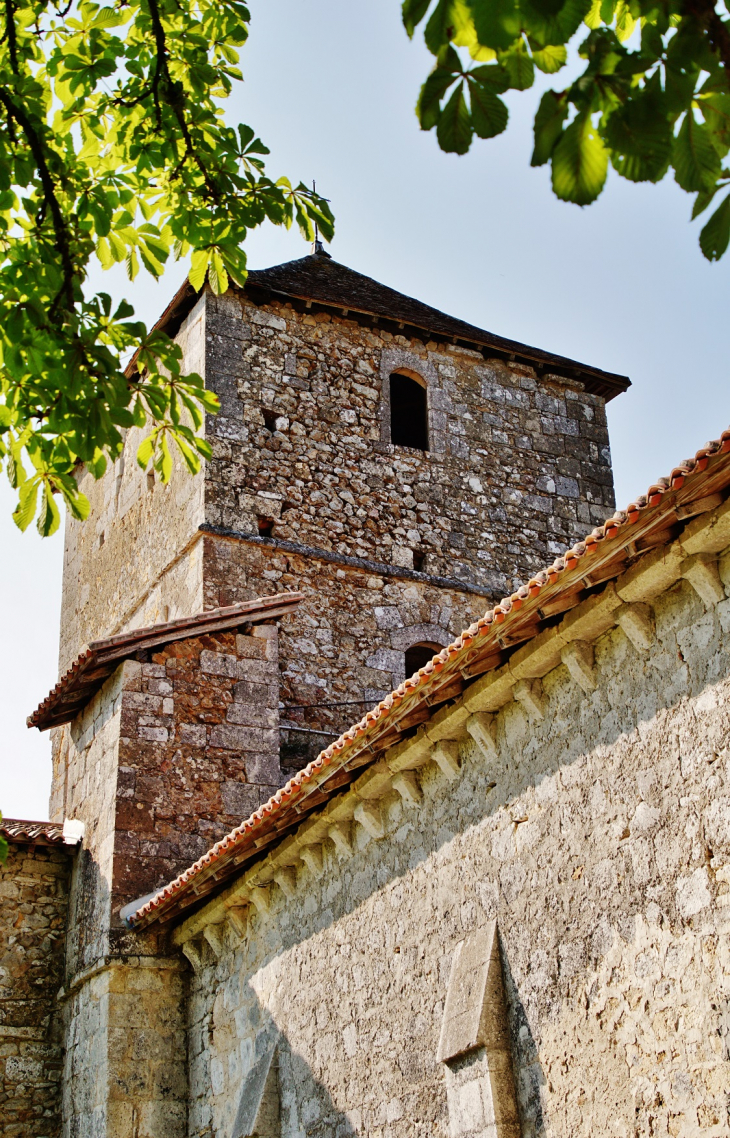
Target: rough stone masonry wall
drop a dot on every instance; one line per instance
(516, 466)
(199, 752)
(125, 1065)
(173, 752)
(34, 886)
(599, 839)
(347, 639)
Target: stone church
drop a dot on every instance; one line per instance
(498, 904)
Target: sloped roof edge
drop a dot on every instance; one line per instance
(654, 520)
(319, 279)
(92, 668)
(24, 832)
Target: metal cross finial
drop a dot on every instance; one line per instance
(317, 247)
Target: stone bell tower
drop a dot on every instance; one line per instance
(380, 471)
(398, 466)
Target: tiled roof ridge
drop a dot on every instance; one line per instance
(386, 303)
(566, 562)
(21, 829)
(304, 276)
(125, 643)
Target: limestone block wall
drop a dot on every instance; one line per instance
(125, 1071)
(597, 835)
(84, 787)
(133, 562)
(199, 752)
(516, 467)
(34, 885)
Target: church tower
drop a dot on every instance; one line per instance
(398, 466)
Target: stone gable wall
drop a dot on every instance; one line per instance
(34, 889)
(598, 837)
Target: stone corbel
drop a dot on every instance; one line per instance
(286, 879)
(636, 622)
(407, 786)
(214, 936)
(191, 949)
(370, 818)
(313, 859)
(530, 696)
(446, 756)
(480, 726)
(238, 919)
(261, 898)
(578, 659)
(340, 835)
(703, 575)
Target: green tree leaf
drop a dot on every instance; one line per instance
(640, 138)
(114, 146)
(497, 22)
(579, 163)
(455, 130)
(696, 161)
(715, 234)
(551, 58)
(519, 66)
(433, 90)
(489, 114)
(551, 114)
(413, 12)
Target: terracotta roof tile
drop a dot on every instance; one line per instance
(96, 663)
(591, 562)
(18, 830)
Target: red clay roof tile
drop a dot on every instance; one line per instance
(566, 572)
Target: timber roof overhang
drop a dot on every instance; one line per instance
(693, 497)
(93, 667)
(317, 283)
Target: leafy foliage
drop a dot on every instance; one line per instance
(113, 146)
(654, 94)
(3, 847)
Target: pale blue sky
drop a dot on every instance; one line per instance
(330, 87)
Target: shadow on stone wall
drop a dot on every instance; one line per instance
(279, 1095)
(616, 810)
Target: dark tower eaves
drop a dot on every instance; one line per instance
(318, 282)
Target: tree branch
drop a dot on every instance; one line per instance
(706, 15)
(60, 226)
(10, 32)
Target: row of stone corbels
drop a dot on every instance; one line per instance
(701, 557)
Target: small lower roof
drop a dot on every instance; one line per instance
(92, 668)
(22, 831)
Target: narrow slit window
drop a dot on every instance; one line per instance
(418, 655)
(408, 412)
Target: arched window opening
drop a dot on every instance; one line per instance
(418, 655)
(408, 412)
